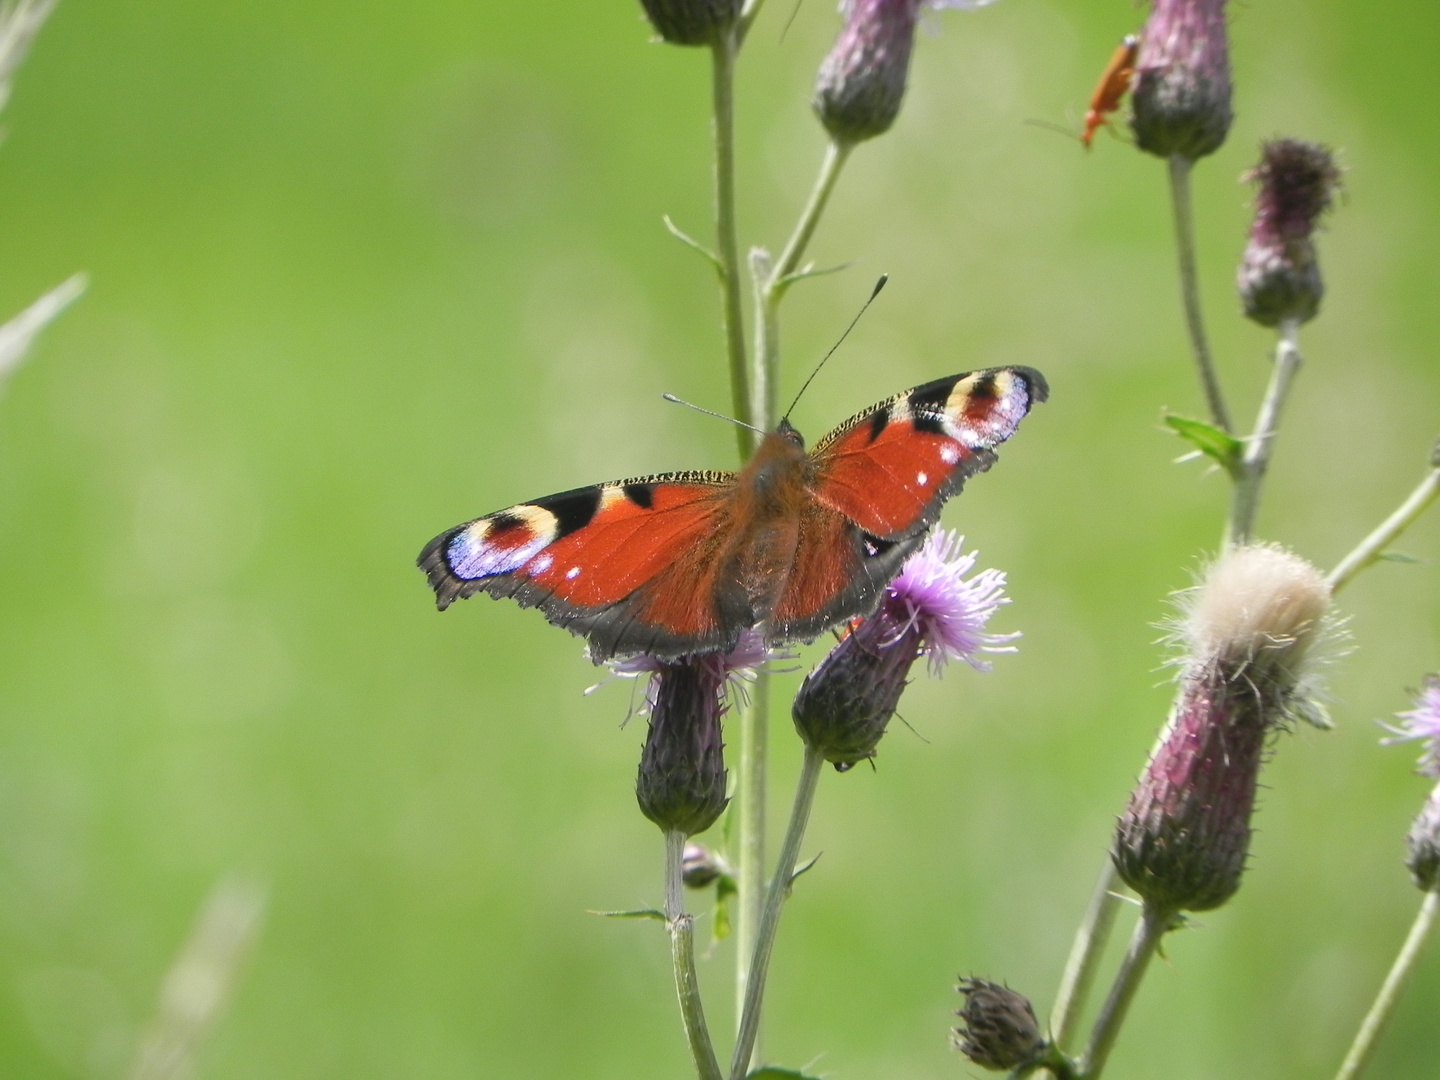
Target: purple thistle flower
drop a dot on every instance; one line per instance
(1423, 723)
(1279, 275)
(862, 81)
(1181, 90)
(1250, 633)
(929, 609)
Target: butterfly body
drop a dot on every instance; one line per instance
(794, 543)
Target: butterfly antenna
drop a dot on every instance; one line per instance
(719, 416)
(791, 20)
(865, 307)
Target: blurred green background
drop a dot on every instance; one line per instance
(361, 271)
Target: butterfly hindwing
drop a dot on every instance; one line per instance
(628, 564)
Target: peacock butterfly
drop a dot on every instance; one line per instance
(795, 542)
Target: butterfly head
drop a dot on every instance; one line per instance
(786, 431)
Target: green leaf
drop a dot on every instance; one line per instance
(1398, 556)
(694, 244)
(806, 865)
(638, 913)
(1209, 440)
(725, 889)
(774, 1072)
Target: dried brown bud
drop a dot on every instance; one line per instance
(692, 22)
(1184, 838)
(1181, 89)
(998, 1029)
(1279, 275)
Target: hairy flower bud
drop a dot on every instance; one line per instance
(1279, 276)
(700, 867)
(998, 1029)
(1250, 631)
(681, 786)
(1180, 99)
(1423, 842)
(862, 80)
(846, 703)
(692, 22)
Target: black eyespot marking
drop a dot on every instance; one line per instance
(879, 421)
(642, 495)
(504, 523)
(984, 386)
(572, 509)
(875, 546)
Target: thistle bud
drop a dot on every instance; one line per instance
(1249, 633)
(998, 1029)
(846, 703)
(692, 22)
(681, 786)
(1181, 90)
(700, 867)
(1279, 275)
(1422, 724)
(1423, 857)
(862, 81)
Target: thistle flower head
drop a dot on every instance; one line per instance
(691, 22)
(929, 609)
(681, 781)
(1250, 632)
(1181, 90)
(1422, 724)
(998, 1029)
(1279, 276)
(861, 83)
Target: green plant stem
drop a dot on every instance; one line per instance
(1085, 955)
(726, 248)
(1190, 288)
(771, 281)
(1256, 459)
(1143, 943)
(1370, 1030)
(682, 960)
(750, 796)
(774, 904)
(1374, 545)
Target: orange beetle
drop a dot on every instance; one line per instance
(1114, 82)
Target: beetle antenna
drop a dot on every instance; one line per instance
(863, 308)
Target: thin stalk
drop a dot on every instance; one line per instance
(1375, 1020)
(1085, 955)
(1148, 932)
(1374, 545)
(726, 248)
(682, 960)
(750, 796)
(774, 904)
(1190, 288)
(772, 280)
(1256, 460)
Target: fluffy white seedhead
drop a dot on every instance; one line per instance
(1258, 612)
